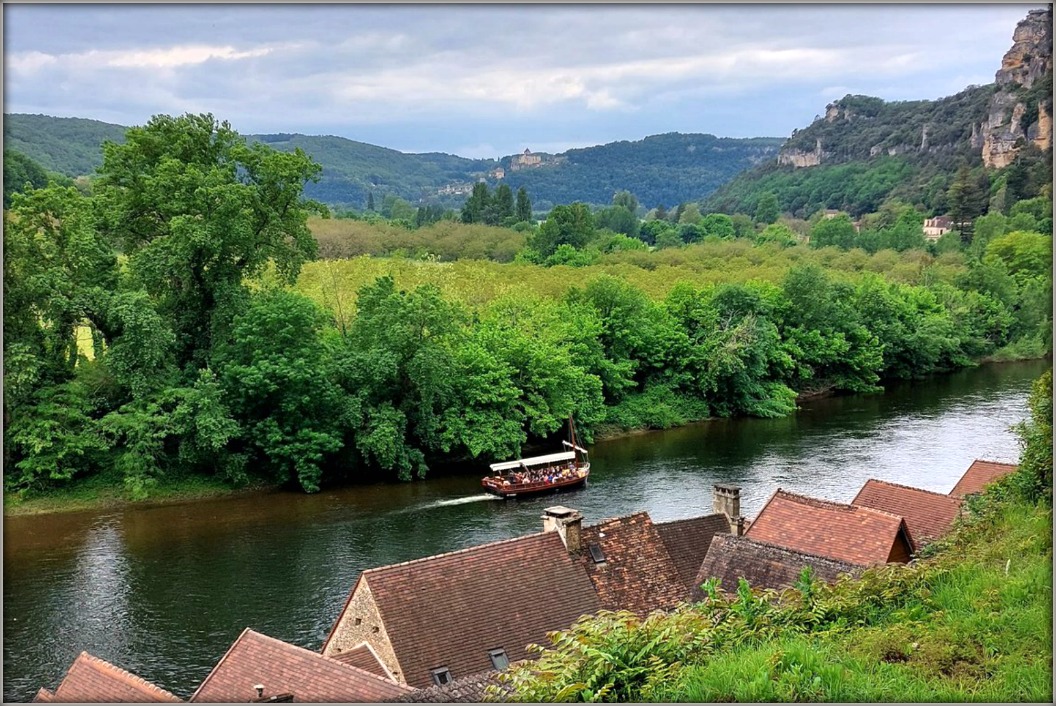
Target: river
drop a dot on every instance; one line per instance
(164, 591)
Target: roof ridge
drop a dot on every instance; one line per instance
(608, 520)
(355, 670)
(464, 550)
(907, 487)
(686, 519)
(838, 505)
(101, 664)
(769, 545)
(217, 665)
(999, 463)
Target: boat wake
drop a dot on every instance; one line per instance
(462, 501)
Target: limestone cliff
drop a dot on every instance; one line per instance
(1021, 110)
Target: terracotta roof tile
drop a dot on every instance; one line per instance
(763, 565)
(363, 658)
(91, 679)
(687, 542)
(928, 515)
(287, 669)
(858, 535)
(450, 610)
(979, 475)
(43, 696)
(637, 574)
(469, 689)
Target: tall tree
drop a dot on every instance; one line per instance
(768, 209)
(370, 200)
(502, 205)
(475, 206)
(524, 206)
(966, 202)
(198, 210)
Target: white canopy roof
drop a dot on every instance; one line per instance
(534, 461)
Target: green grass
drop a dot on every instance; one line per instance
(973, 633)
(106, 490)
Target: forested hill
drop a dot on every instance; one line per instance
(70, 146)
(865, 150)
(668, 169)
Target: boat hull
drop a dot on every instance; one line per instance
(525, 489)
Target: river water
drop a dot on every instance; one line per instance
(164, 591)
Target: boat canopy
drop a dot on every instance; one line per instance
(534, 461)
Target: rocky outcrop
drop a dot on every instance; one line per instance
(802, 158)
(1021, 110)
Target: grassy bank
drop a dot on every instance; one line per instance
(107, 490)
(972, 621)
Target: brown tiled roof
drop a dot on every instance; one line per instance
(363, 658)
(43, 696)
(91, 679)
(466, 690)
(979, 475)
(449, 610)
(763, 565)
(687, 542)
(858, 535)
(928, 515)
(287, 669)
(637, 574)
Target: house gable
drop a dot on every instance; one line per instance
(979, 475)
(928, 515)
(361, 623)
(90, 679)
(857, 535)
(688, 541)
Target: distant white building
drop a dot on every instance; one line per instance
(935, 228)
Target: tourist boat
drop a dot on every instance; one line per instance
(540, 474)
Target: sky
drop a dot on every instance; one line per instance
(488, 81)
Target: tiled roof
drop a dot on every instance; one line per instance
(858, 535)
(466, 690)
(979, 475)
(687, 542)
(928, 515)
(450, 610)
(287, 669)
(637, 573)
(91, 679)
(763, 565)
(43, 696)
(363, 658)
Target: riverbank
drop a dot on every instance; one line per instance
(103, 492)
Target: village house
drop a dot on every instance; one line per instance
(935, 228)
(434, 620)
(928, 515)
(848, 533)
(263, 669)
(498, 173)
(979, 475)
(764, 566)
(90, 679)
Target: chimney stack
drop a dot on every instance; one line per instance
(568, 523)
(728, 502)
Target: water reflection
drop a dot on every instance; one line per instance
(163, 591)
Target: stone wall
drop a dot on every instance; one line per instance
(361, 622)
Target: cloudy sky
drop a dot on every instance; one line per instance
(487, 81)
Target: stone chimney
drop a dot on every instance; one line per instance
(728, 502)
(568, 523)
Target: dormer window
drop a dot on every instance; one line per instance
(441, 676)
(499, 660)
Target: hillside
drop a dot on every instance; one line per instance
(666, 169)
(865, 150)
(70, 146)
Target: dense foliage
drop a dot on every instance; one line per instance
(70, 146)
(151, 328)
(970, 622)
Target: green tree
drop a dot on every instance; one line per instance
(718, 225)
(565, 225)
(837, 231)
(524, 206)
(21, 172)
(619, 220)
(966, 201)
(477, 203)
(768, 209)
(197, 211)
(627, 200)
(370, 200)
(1035, 463)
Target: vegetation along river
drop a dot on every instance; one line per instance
(163, 591)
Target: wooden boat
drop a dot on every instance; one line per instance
(540, 474)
